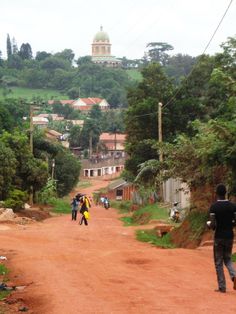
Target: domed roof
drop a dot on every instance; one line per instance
(101, 36)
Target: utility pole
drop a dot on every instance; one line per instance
(160, 130)
(53, 168)
(32, 108)
(90, 144)
(160, 143)
(31, 127)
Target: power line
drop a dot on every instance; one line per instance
(186, 79)
(207, 46)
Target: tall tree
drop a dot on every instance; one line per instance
(14, 46)
(9, 47)
(26, 52)
(157, 52)
(141, 118)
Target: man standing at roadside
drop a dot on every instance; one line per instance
(222, 220)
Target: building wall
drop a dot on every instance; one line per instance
(176, 191)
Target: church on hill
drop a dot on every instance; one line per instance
(101, 50)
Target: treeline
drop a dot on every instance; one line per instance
(199, 121)
(60, 71)
(23, 172)
(81, 77)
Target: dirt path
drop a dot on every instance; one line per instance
(103, 269)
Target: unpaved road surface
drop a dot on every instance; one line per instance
(101, 268)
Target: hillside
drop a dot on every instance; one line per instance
(30, 93)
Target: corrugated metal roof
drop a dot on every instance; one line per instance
(117, 183)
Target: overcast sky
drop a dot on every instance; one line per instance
(53, 25)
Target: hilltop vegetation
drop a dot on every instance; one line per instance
(30, 93)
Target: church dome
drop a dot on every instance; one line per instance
(101, 36)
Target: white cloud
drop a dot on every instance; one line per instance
(53, 25)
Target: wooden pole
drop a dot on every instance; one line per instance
(160, 142)
(31, 128)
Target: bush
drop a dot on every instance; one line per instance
(60, 205)
(48, 192)
(151, 237)
(16, 199)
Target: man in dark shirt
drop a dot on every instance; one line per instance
(223, 214)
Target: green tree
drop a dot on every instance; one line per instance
(157, 52)
(74, 138)
(141, 116)
(8, 166)
(25, 51)
(67, 171)
(66, 54)
(9, 47)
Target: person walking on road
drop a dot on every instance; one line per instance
(74, 208)
(84, 207)
(222, 220)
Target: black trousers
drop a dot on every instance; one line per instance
(74, 214)
(222, 255)
(83, 219)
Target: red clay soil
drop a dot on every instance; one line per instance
(102, 268)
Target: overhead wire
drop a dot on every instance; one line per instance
(205, 49)
(187, 77)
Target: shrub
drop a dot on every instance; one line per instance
(16, 199)
(48, 192)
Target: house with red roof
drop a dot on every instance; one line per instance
(114, 142)
(83, 104)
(88, 103)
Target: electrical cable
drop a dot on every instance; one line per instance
(186, 79)
(207, 46)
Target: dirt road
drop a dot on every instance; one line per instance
(101, 268)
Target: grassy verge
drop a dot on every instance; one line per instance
(122, 206)
(145, 214)
(4, 271)
(151, 237)
(197, 222)
(60, 206)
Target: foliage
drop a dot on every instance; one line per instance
(234, 257)
(8, 165)
(141, 116)
(197, 222)
(47, 192)
(122, 206)
(16, 199)
(157, 52)
(145, 214)
(60, 206)
(151, 237)
(3, 270)
(208, 157)
(67, 171)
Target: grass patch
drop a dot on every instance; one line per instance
(128, 221)
(197, 222)
(234, 257)
(122, 206)
(143, 215)
(151, 237)
(150, 212)
(60, 206)
(30, 93)
(4, 294)
(3, 270)
(84, 184)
